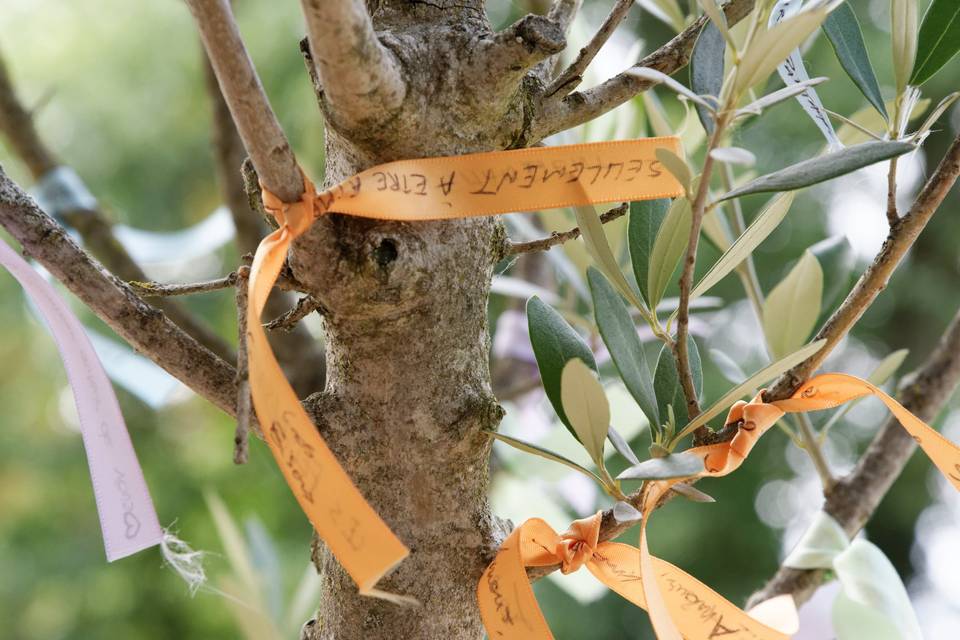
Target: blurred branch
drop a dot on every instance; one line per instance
(853, 499)
(560, 112)
(559, 237)
(361, 78)
(17, 126)
(563, 12)
(573, 75)
(144, 327)
(262, 136)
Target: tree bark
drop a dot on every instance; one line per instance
(408, 395)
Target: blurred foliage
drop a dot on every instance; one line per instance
(119, 95)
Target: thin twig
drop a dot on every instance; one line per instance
(558, 113)
(286, 322)
(893, 216)
(158, 289)
(244, 401)
(573, 75)
(853, 499)
(559, 237)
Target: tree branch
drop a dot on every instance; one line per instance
(262, 136)
(362, 79)
(559, 113)
(144, 327)
(869, 286)
(573, 75)
(97, 233)
(874, 280)
(559, 237)
(854, 498)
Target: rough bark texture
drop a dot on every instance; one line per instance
(408, 392)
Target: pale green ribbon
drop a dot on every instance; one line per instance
(872, 603)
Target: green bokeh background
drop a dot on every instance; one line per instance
(120, 97)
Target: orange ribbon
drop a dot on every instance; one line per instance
(509, 608)
(424, 189)
(510, 611)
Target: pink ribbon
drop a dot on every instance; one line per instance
(127, 517)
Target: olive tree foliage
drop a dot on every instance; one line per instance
(401, 388)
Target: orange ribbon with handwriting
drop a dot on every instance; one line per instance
(510, 611)
(424, 189)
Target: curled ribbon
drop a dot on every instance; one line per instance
(422, 189)
(510, 610)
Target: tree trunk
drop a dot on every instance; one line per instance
(408, 394)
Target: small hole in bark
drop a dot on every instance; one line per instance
(386, 252)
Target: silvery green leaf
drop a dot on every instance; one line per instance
(822, 168)
(624, 512)
(778, 96)
(766, 221)
(599, 249)
(843, 31)
(666, 382)
(706, 69)
(791, 310)
(622, 446)
(939, 39)
(823, 540)
(754, 382)
(676, 165)
(646, 216)
(734, 155)
(652, 75)
(537, 450)
(620, 335)
(668, 248)
(675, 465)
(554, 344)
(586, 406)
(691, 493)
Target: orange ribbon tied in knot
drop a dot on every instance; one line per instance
(578, 543)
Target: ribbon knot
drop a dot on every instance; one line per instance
(578, 543)
(294, 216)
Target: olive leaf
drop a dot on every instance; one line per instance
(537, 450)
(666, 381)
(791, 310)
(586, 406)
(706, 69)
(903, 30)
(675, 465)
(670, 245)
(554, 344)
(843, 32)
(646, 216)
(939, 39)
(620, 335)
(822, 168)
